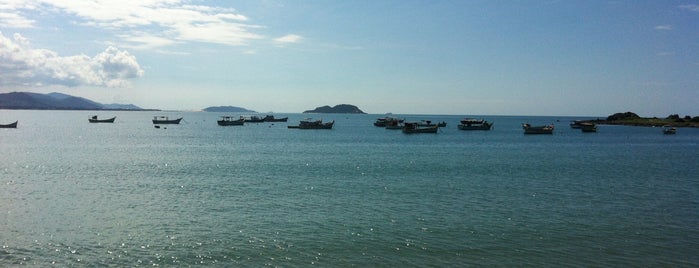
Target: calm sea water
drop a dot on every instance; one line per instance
(127, 194)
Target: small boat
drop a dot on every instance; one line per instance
(314, 124)
(411, 128)
(11, 125)
(588, 127)
(229, 121)
(94, 119)
(428, 123)
(254, 119)
(529, 129)
(270, 118)
(387, 121)
(165, 120)
(667, 130)
(576, 124)
(395, 124)
(474, 124)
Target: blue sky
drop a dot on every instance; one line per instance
(587, 58)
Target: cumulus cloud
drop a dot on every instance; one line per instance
(150, 23)
(289, 38)
(22, 65)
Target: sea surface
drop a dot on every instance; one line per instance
(196, 194)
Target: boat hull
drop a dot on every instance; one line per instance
(95, 120)
(12, 125)
(414, 128)
(528, 129)
(165, 121)
(230, 122)
(484, 126)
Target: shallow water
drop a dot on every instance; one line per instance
(127, 194)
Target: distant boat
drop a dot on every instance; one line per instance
(12, 125)
(229, 121)
(576, 124)
(165, 120)
(428, 123)
(270, 118)
(529, 129)
(411, 128)
(94, 119)
(474, 124)
(387, 121)
(588, 127)
(254, 119)
(314, 124)
(669, 130)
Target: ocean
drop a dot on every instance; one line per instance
(197, 194)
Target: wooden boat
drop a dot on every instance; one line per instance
(428, 123)
(254, 119)
(474, 124)
(314, 124)
(94, 119)
(576, 124)
(387, 121)
(395, 124)
(529, 129)
(11, 125)
(667, 130)
(270, 118)
(411, 128)
(165, 120)
(588, 127)
(229, 121)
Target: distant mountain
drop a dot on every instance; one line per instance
(227, 109)
(55, 101)
(338, 109)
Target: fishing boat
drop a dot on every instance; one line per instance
(254, 119)
(411, 128)
(395, 124)
(428, 123)
(667, 130)
(11, 125)
(314, 124)
(529, 129)
(588, 127)
(387, 121)
(94, 119)
(230, 121)
(474, 124)
(165, 120)
(576, 124)
(270, 118)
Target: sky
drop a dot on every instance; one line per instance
(548, 57)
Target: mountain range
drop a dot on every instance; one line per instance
(55, 101)
(337, 109)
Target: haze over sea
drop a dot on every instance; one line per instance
(128, 194)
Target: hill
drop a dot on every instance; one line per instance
(338, 109)
(227, 109)
(55, 101)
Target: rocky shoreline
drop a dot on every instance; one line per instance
(632, 119)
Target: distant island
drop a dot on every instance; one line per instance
(227, 109)
(57, 101)
(632, 119)
(338, 109)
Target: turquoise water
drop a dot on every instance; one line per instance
(127, 194)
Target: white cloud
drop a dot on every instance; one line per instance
(663, 27)
(22, 65)
(12, 20)
(694, 8)
(149, 23)
(289, 38)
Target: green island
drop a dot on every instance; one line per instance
(632, 119)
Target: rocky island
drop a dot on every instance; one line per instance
(338, 109)
(632, 119)
(227, 109)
